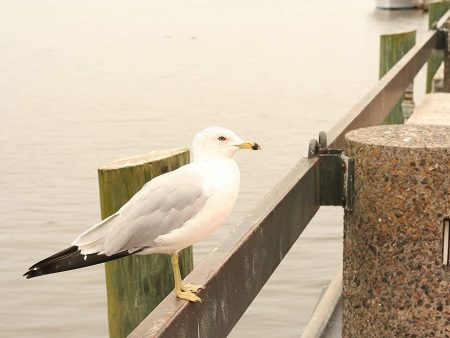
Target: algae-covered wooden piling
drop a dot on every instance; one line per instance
(392, 48)
(436, 10)
(395, 282)
(137, 284)
(446, 87)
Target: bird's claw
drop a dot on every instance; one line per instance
(188, 295)
(192, 287)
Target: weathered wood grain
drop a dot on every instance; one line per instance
(392, 48)
(137, 284)
(435, 11)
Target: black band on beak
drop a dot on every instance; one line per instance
(255, 146)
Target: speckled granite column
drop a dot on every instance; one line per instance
(394, 282)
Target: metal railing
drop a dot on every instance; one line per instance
(237, 270)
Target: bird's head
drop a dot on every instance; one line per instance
(216, 142)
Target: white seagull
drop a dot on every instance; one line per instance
(170, 213)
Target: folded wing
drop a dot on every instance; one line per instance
(161, 206)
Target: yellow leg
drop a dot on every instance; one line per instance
(184, 291)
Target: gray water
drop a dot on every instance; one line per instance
(83, 83)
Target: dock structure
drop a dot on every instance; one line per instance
(397, 4)
(236, 271)
(435, 109)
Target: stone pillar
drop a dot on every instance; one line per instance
(394, 282)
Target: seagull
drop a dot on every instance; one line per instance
(170, 212)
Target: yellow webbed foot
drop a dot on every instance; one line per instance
(192, 287)
(188, 295)
(184, 291)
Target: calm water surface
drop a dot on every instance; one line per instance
(83, 83)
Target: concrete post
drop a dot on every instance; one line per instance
(395, 282)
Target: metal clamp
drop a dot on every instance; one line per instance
(336, 173)
(442, 39)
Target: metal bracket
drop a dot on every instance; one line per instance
(336, 173)
(442, 39)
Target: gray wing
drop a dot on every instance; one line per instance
(162, 205)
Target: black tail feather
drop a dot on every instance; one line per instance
(69, 259)
(56, 256)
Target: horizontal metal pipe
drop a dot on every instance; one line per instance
(325, 308)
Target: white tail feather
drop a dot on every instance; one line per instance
(92, 240)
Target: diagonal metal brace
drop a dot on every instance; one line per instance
(336, 173)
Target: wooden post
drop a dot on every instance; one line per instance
(446, 88)
(137, 284)
(436, 10)
(396, 277)
(392, 49)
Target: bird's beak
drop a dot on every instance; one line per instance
(249, 145)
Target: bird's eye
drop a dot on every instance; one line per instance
(221, 138)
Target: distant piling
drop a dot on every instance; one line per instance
(436, 10)
(392, 48)
(446, 86)
(396, 277)
(137, 284)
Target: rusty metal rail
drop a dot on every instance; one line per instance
(375, 106)
(236, 271)
(239, 268)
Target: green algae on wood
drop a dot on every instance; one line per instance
(446, 84)
(392, 48)
(435, 11)
(137, 284)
